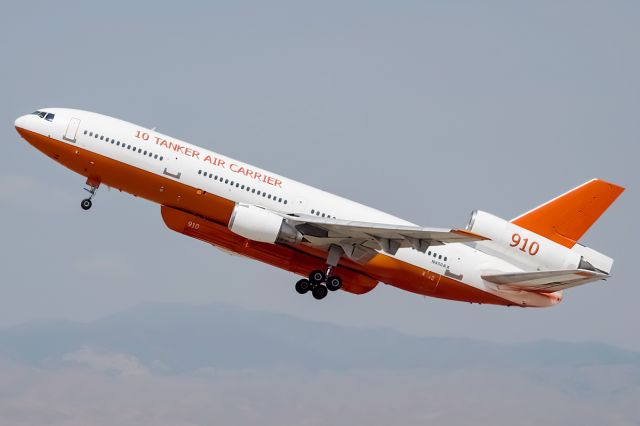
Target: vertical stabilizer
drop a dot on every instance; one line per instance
(566, 218)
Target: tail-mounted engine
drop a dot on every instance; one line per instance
(258, 224)
(519, 245)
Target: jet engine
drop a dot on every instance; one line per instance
(519, 245)
(258, 224)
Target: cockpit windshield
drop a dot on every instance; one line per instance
(46, 115)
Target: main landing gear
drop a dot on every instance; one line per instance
(319, 282)
(93, 187)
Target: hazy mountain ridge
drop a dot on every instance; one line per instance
(185, 364)
(188, 338)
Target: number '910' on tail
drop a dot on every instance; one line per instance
(543, 242)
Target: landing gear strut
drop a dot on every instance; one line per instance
(321, 282)
(93, 187)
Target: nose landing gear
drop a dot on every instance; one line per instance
(93, 187)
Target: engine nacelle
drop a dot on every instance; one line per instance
(258, 224)
(519, 245)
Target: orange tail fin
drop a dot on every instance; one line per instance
(567, 217)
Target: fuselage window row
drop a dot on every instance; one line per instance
(319, 214)
(124, 145)
(436, 255)
(242, 187)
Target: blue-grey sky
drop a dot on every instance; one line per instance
(427, 110)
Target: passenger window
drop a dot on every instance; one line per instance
(199, 172)
(161, 158)
(85, 132)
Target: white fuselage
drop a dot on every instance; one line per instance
(197, 167)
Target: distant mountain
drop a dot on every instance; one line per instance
(183, 338)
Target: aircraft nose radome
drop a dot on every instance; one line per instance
(20, 122)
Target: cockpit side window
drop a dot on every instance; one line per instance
(49, 116)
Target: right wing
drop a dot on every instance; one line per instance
(387, 237)
(545, 281)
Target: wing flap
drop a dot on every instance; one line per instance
(545, 281)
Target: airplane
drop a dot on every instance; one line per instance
(332, 242)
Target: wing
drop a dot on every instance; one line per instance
(368, 235)
(545, 281)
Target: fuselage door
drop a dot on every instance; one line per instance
(72, 130)
(172, 167)
(300, 205)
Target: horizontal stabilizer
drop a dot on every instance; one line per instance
(545, 281)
